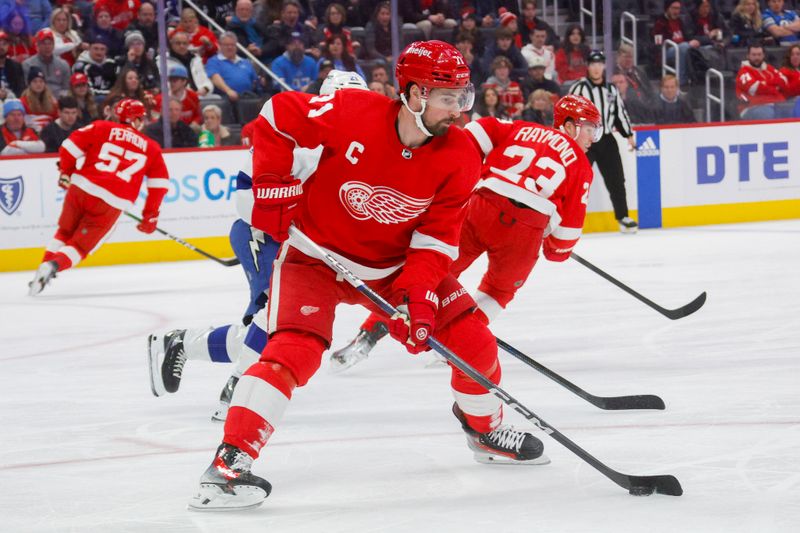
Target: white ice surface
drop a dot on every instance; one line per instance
(84, 446)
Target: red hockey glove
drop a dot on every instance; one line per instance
(553, 251)
(274, 207)
(415, 319)
(148, 223)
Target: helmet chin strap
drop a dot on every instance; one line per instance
(417, 114)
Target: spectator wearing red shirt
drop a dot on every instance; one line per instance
(122, 11)
(759, 86)
(202, 41)
(247, 132)
(669, 26)
(21, 44)
(335, 18)
(510, 92)
(571, 57)
(179, 90)
(41, 107)
(507, 19)
(15, 137)
(791, 70)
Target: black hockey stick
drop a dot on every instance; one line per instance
(232, 261)
(610, 403)
(636, 485)
(672, 314)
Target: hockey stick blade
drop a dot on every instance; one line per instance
(612, 403)
(672, 314)
(661, 484)
(647, 485)
(619, 403)
(231, 261)
(686, 310)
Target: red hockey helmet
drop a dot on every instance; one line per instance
(580, 110)
(435, 65)
(128, 110)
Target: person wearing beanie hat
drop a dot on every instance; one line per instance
(10, 70)
(133, 37)
(507, 19)
(15, 137)
(136, 58)
(56, 71)
(97, 66)
(41, 107)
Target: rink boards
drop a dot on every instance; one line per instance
(705, 174)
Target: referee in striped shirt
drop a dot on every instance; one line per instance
(605, 152)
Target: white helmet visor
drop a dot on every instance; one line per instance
(453, 99)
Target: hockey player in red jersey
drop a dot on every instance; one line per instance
(102, 166)
(532, 196)
(387, 200)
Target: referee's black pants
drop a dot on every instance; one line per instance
(606, 153)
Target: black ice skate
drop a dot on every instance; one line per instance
(358, 349)
(45, 273)
(166, 356)
(628, 225)
(504, 445)
(225, 400)
(228, 484)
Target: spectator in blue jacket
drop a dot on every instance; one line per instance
(231, 74)
(783, 25)
(293, 66)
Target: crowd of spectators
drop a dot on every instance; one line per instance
(64, 63)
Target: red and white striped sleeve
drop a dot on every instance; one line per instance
(487, 133)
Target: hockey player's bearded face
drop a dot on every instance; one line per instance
(442, 109)
(438, 121)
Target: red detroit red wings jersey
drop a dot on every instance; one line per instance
(371, 200)
(540, 167)
(109, 161)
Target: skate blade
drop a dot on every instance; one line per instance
(213, 498)
(490, 459)
(156, 384)
(337, 366)
(221, 413)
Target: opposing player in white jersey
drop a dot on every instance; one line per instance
(102, 167)
(533, 193)
(240, 343)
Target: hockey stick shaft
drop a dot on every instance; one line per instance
(610, 403)
(664, 484)
(672, 314)
(233, 261)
